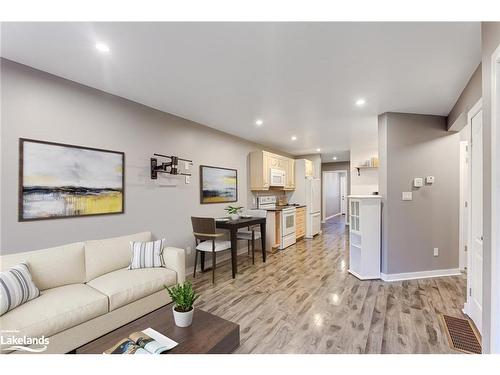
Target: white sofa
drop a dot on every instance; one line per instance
(87, 290)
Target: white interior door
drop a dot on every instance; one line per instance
(343, 193)
(475, 258)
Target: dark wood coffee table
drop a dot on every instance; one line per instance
(208, 334)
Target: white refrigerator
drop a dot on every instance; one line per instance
(308, 192)
(313, 206)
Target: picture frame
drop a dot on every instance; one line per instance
(59, 180)
(218, 185)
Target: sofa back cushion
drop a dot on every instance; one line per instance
(111, 254)
(53, 267)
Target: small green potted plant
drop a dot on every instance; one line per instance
(183, 297)
(234, 212)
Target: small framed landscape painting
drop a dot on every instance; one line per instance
(59, 180)
(218, 185)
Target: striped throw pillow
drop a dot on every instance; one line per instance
(16, 287)
(146, 254)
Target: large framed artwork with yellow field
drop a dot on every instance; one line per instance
(59, 181)
(218, 185)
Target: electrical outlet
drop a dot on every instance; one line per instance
(407, 196)
(429, 180)
(188, 179)
(436, 252)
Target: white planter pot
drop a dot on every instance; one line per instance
(234, 216)
(183, 319)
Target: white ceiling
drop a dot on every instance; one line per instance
(300, 78)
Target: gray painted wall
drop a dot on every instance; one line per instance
(469, 96)
(490, 40)
(41, 106)
(418, 146)
(332, 194)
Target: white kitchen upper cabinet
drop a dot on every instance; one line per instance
(290, 174)
(309, 168)
(261, 163)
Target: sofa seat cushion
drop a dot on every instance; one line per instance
(125, 286)
(56, 310)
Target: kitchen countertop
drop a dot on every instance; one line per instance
(279, 208)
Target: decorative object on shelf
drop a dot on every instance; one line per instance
(373, 163)
(218, 185)
(183, 296)
(234, 212)
(170, 167)
(59, 180)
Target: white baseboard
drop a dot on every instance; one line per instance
(330, 217)
(226, 255)
(419, 275)
(363, 277)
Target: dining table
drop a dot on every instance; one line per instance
(243, 222)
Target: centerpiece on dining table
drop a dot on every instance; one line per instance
(234, 212)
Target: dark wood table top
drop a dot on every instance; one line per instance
(240, 223)
(208, 334)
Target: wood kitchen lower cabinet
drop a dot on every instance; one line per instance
(300, 223)
(273, 231)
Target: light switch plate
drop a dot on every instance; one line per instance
(429, 180)
(188, 179)
(418, 182)
(407, 196)
(436, 252)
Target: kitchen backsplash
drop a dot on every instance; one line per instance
(283, 196)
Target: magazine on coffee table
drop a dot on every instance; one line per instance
(148, 341)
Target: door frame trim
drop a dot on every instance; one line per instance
(464, 197)
(493, 298)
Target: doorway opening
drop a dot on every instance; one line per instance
(334, 195)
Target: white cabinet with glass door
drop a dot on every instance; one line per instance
(364, 236)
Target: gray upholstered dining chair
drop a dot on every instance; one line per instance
(207, 241)
(252, 233)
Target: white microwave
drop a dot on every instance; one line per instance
(277, 177)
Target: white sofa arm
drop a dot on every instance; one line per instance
(175, 260)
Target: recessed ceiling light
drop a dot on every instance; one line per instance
(101, 47)
(334, 158)
(360, 102)
(259, 122)
(294, 138)
(318, 150)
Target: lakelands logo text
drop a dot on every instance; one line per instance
(23, 343)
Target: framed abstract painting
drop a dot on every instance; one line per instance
(218, 185)
(59, 180)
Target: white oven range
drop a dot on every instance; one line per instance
(287, 219)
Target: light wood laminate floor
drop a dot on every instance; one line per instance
(303, 300)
